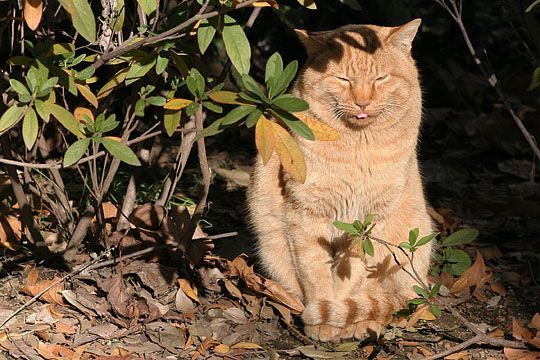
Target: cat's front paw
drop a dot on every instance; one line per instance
(362, 330)
(323, 332)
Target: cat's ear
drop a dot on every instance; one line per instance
(313, 41)
(403, 36)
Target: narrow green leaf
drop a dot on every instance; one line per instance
(212, 107)
(41, 110)
(282, 83)
(30, 128)
(82, 17)
(420, 291)
(274, 68)
(156, 100)
(161, 64)
(426, 239)
(405, 245)
(252, 118)
(417, 301)
(120, 151)
(435, 290)
(195, 82)
(435, 310)
(11, 117)
(138, 70)
(251, 85)
(171, 121)
(213, 129)
(460, 237)
(18, 87)
(290, 103)
(121, 11)
(348, 228)
(236, 45)
(205, 34)
(76, 151)
(237, 114)
(65, 118)
(294, 124)
(148, 6)
(413, 235)
(368, 247)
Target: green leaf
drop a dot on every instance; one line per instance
(30, 128)
(213, 129)
(86, 73)
(106, 125)
(18, 87)
(205, 34)
(139, 108)
(426, 239)
(456, 261)
(46, 87)
(353, 4)
(367, 246)
(417, 301)
(41, 110)
(10, 117)
(148, 6)
(369, 219)
(195, 82)
(274, 68)
(282, 83)
(535, 80)
(120, 9)
(348, 346)
(120, 151)
(435, 310)
(420, 291)
(161, 64)
(253, 118)
(251, 85)
(156, 100)
(212, 107)
(532, 6)
(358, 225)
(138, 70)
(405, 245)
(237, 45)
(237, 114)
(76, 151)
(348, 228)
(413, 235)
(65, 118)
(460, 237)
(435, 290)
(171, 120)
(294, 124)
(290, 103)
(82, 17)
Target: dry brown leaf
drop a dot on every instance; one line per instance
(64, 328)
(222, 348)
(87, 94)
(10, 232)
(535, 322)
(232, 289)
(462, 355)
(518, 354)
(32, 12)
(422, 313)
(264, 138)
(520, 332)
(182, 302)
(498, 288)
(497, 333)
(266, 3)
(246, 345)
(191, 291)
(321, 131)
(80, 112)
(34, 287)
(54, 351)
(203, 347)
(291, 157)
(476, 276)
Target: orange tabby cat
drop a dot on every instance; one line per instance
(362, 81)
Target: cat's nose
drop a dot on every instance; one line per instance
(362, 103)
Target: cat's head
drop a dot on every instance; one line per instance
(360, 74)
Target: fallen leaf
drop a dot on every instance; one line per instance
(246, 345)
(10, 232)
(312, 352)
(54, 351)
(222, 348)
(65, 328)
(535, 322)
(518, 354)
(34, 286)
(498, 288)
(520, 332)
(458, 356)
(189, 290)
(421, 313)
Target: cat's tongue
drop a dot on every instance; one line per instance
(361, 116)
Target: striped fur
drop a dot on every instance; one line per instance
(371, 169)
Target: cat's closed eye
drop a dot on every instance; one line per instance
(381, 78)
(343, 79)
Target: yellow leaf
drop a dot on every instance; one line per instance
(321, 131)
(224, 97)
(272, 3)
(80, 113)
(116, 80)
(177, 104)
(190, 291)
(264, 138)
(310, 4)
(289, 152)
(422, 313)
(32, 11)
(222, 348)
(88, 94)
(246, 345)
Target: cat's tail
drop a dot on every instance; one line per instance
(376, 307)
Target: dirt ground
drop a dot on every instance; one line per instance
(145, 307)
